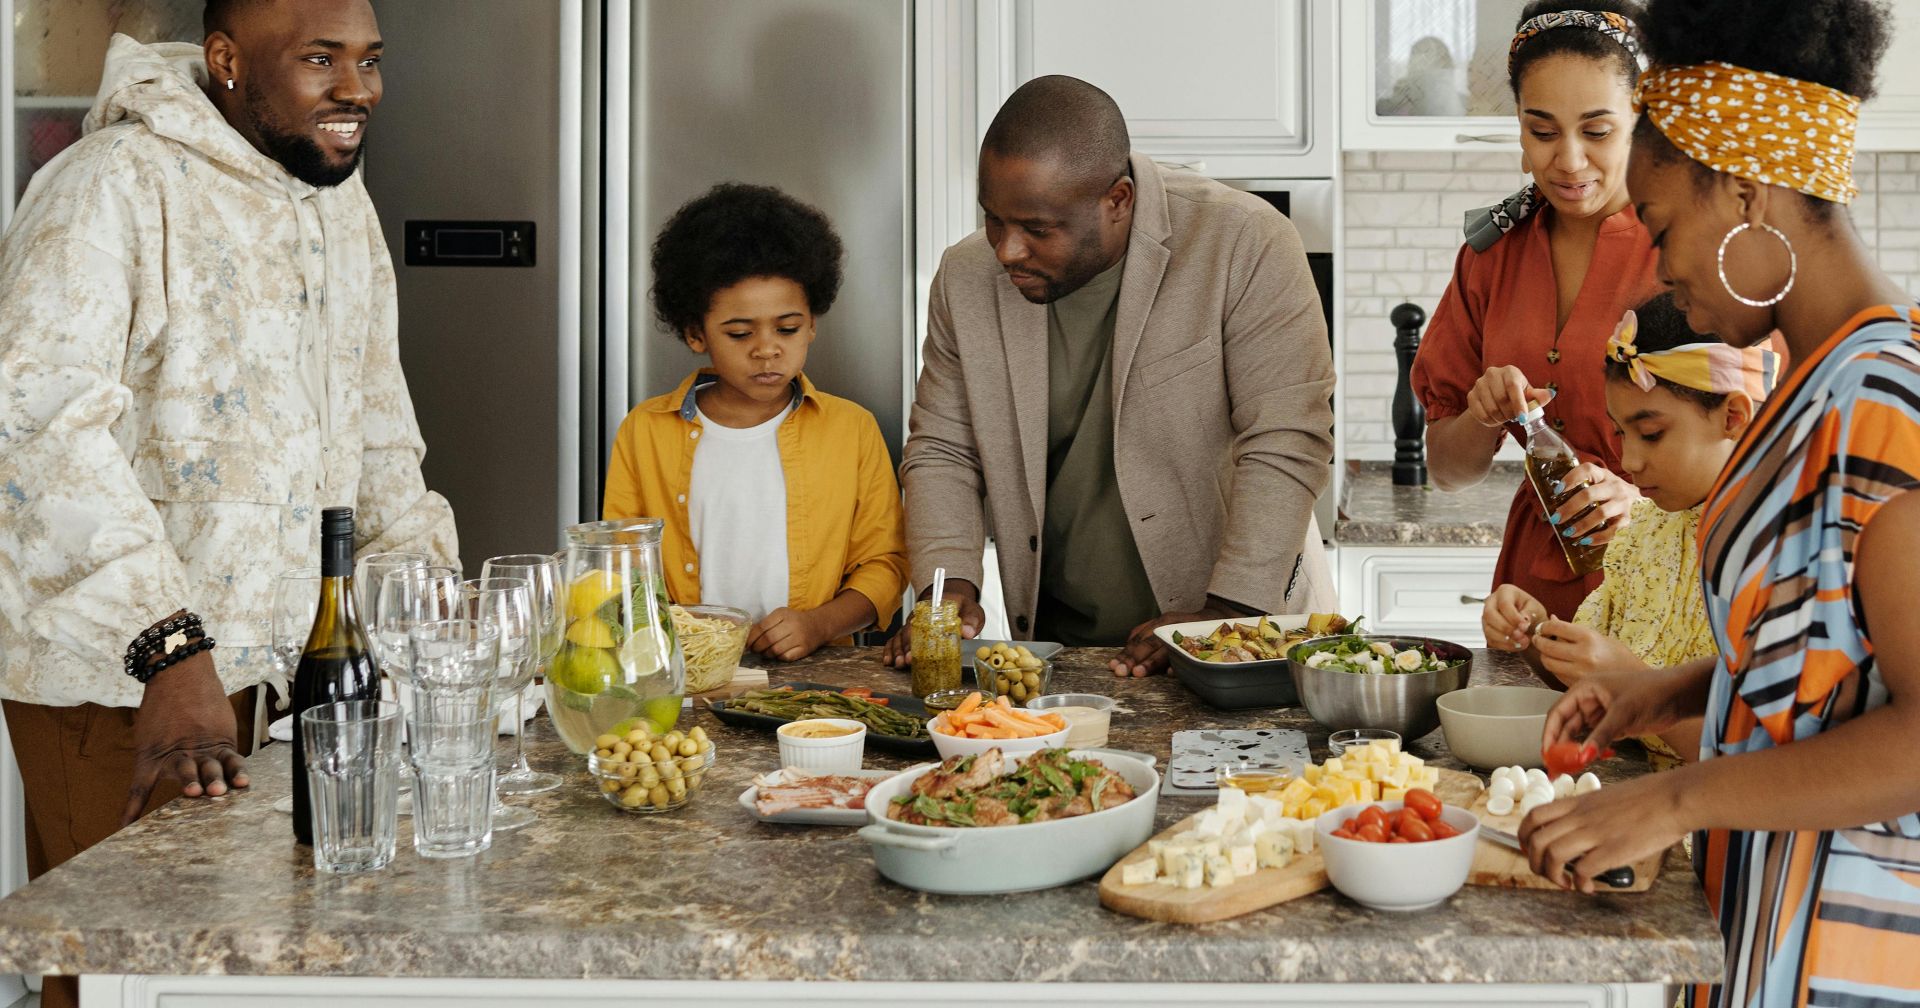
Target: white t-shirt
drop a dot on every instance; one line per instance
(737, 512)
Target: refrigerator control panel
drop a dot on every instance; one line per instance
(469, 243)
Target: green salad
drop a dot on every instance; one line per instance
(1357, 654)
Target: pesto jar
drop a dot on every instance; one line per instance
(935, 640)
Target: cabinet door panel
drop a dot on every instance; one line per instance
(1205, 77)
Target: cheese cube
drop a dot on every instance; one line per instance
(1303, 838)
(1297, 790)
(1208, 847)
(1219, 871)
(1311, 773)
(1140, 872)
(1209, 822)
(1174, 862)
(1335, 766)
(1154, 847)
(1292, 809)
(1255, 827)
(1244, 857)
(1232, 807)
(1426, 777)
(1190, 875)
(1361, 791)
(1262, 807)
(1273, 850)
(1396, 777)
(1392, 793)
(1409, 760)
(1312, 809)
(1378, 751)
(1329, 791)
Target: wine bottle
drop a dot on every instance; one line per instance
(336, 666)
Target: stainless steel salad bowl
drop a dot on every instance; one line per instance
(1404, 702)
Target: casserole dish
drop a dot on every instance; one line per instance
(999, 859)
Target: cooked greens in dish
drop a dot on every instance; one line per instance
(1374, 657)
(1261, 641)
(980, 790)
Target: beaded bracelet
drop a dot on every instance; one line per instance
(173, 640)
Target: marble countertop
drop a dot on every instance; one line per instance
(219, 887)
(1375, 512)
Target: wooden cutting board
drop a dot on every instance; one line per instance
(1304, 875)
(1498, 865)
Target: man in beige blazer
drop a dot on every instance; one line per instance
(1126, 378)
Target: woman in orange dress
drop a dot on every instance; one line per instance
(1536, 292)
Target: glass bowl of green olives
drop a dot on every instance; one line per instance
(1011, 671)
(640, 771)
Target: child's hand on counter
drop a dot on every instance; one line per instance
(788, 634)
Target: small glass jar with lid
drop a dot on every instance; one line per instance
(935, 641)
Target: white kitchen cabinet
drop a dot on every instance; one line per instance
(1891, 121)
(1234, 88)
(1424, 591)
(1427, 75)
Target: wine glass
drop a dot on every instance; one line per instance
(296, 597)
(409, 597)
(542, 573)
(370, 569)
(504, 605)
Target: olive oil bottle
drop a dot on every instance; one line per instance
(1549, 459)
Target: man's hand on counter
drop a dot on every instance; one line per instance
(1145, 655)
(184, 732)
(899, 650)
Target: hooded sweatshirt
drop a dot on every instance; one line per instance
(198, 352)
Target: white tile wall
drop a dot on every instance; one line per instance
(1403, 212)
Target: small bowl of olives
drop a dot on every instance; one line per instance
(1011, 671)
(644, 772)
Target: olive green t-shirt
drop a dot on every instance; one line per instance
(1093, 588)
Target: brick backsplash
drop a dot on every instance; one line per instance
(1403, 212)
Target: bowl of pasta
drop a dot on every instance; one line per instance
(712, 638)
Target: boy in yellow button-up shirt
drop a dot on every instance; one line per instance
(779, 499)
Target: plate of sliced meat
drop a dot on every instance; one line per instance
(812, 797)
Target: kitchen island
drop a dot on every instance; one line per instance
(210, 902)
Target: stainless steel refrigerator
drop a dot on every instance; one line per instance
(585, 123)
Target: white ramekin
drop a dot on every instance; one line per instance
(842, 752)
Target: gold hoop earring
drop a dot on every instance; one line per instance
(1793, 266)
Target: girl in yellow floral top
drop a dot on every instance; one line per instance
(1681, 402)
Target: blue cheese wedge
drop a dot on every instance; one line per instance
(1273, 849)
(1139, 872)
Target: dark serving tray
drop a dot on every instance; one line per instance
(905, 702)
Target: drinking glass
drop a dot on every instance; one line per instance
(370, 569)
(542, 573)
(504, 604)
(453, 781)
(454, 667)
(352, 752)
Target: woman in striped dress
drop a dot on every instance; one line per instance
(1804, 806)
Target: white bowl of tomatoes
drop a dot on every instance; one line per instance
(1398, 855)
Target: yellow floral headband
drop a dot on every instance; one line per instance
(1708, 367)
(1756, 125)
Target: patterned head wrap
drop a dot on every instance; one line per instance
(1756, 125)
(1485, 225)
(1708, 367)
(1614, 26)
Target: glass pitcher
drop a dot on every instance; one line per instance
(619, 662)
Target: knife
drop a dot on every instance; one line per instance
(1618, 878)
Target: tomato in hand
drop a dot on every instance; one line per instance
(1424, 804)
(1570, 758)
